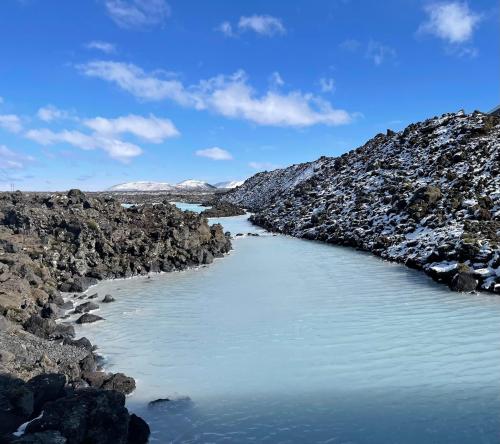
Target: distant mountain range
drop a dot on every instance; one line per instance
(186, 185)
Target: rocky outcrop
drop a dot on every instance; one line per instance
(223, 209)
(428, 196)
(67, 242)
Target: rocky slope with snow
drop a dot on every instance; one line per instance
(428, 196)
(230, 184)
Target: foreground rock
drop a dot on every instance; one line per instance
(427, 196)
(89, 416)
(68, 242)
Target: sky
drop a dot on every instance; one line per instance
(98, 92)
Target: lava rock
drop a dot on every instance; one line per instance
(86, 307)
(464, 281)
(119, 382)
(86, 416)
(138, 430)
(88, 318)
(108, 298)
(45, 388)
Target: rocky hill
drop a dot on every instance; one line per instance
(67, 242)
(428, 196)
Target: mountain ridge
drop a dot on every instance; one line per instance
(185, 185)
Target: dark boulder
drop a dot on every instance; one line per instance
(86, 416)
(95, 379)
(464, 281)
(120, 382)
(50, 311)
(86, 307)
(138, 430)
(46, 387)
(108, 298)
(158, 401)
(88, 318)
(78, 284)
(82, 342)
(63, 331)
(88, 364)
(16, 404)
(39, 326)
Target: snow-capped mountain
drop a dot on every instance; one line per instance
(186, 185)
(229, 184)
(143, 186)
(194, 185)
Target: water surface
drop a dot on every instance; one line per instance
(290, 341)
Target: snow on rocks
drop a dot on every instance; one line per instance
(427, 196)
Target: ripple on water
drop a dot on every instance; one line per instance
(289, 341)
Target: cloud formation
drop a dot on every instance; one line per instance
(106, 135)
(137, 14)
(263, 25)
(327, 85)
(230, 96)
(51, 113)
(152, 129)
(116, 148)
(215, 153)
(453, 22)
(99, 45)
(12, 160)
(378, 53)
(11, 123)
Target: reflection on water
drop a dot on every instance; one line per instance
(289, 341)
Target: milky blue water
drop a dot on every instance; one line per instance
(290, 341)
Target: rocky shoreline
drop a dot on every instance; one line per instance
(427, 196)
(57, 243)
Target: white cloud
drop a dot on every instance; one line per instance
(379, 53)
(11, 123)
(233, 97)
(276, 79)
(265, 25)
(133, 79)
(226, 29)
(215, 153)
(451, 21)
(117, 149)
(12, 160)
(138, 14)
(230, 96)
(327, 85)
(262, 166)
(50, 113)
(151, 129)
(106, 47)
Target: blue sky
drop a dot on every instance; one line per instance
(98, 92)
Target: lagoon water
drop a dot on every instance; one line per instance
(290, 341)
